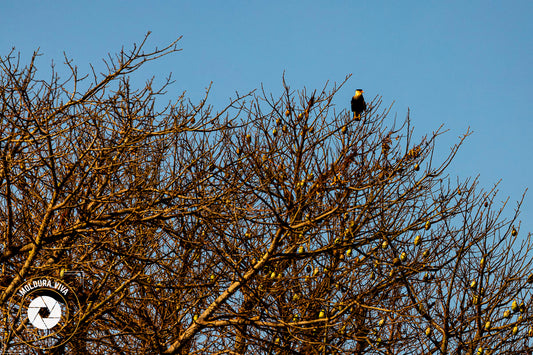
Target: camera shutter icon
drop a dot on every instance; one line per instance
(44, 312)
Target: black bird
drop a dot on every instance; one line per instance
(358, 104)
(311, 101)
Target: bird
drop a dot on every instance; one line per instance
(311, 101)
(358, 104)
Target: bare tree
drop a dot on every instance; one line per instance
(275, 225)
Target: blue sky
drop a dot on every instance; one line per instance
(458, 63)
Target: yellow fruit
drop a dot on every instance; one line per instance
(403, 257)
(487, 325)
(343, 129)
(428, 225)
(428, 331)
(385, 244)
(418, 239)
(514, 306)
(287, 113)
(273, 275)
(514, 233)
(301, 249)
(381, 322)
(322, 314)
(515, 330)
(506, 314)
(473, 284)
(417, 167)
(195, 317)
(482, 262)
(348, 252)
(480, 351)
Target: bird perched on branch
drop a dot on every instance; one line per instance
(358, 104)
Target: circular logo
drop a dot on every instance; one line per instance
(44, 313)
(51, 309)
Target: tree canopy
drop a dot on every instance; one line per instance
(272, 225)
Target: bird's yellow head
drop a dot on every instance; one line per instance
(359, 92)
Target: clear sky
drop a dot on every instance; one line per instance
(458, 63)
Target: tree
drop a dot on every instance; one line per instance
(275, 225)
